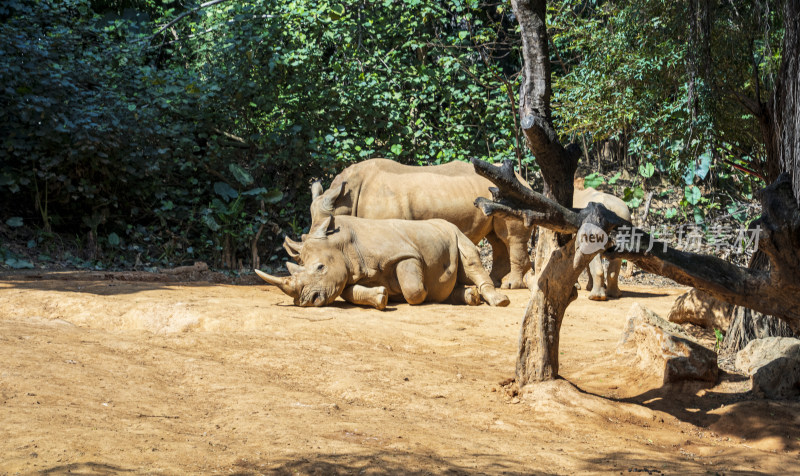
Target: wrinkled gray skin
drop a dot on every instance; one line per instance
(603, 283)
(369, 262)
(381, 188)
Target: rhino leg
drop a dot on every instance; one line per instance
(515, 237)
(410, 279)
(473, 271)
(612, 278)
(376, 297)
(597, 280)
(464, 295)
(500, 259)
(590, 283)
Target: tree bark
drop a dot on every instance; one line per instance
(556, 163)
(779, 121)
(786, 100)
(553, 288)
(775, 292)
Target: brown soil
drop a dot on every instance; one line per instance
(107, 376)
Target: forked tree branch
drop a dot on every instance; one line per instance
(776, 293)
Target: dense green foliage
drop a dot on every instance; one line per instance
(185, 143)
(200, 140)
(637, 75)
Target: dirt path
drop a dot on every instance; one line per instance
(101, 377)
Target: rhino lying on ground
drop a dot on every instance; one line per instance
(368, 262)
(381, 188)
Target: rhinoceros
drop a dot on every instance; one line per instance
(381, 188)
(369, 262)
(601, 289)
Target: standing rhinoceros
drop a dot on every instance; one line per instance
(601, 289)
(381, 188)
(369, 261)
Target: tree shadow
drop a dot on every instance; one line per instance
(87, 469)
(633, 463)
(741, 414)
(109, 283)
(379, 463)
(640, 294)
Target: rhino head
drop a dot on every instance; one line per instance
(323, 275)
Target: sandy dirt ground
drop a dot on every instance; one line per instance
(116, 377)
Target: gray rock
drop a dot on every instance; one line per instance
(701, 309)
(663, 348)
(773, 364)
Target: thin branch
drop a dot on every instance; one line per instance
(184, 15)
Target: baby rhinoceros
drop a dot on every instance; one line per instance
(369, 262)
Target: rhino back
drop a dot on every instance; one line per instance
(382, 189)
(582, 198)
(384, 243)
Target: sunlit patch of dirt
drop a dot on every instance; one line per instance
(106, 376)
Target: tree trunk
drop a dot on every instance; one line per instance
(786, 100)
(780, 127)
(747, 324)
(557, 166)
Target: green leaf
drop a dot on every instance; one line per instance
(255, 191)
(703, 165)
(14, 222)
(336, 11)
(225, 191)
(698, 216)
(647, 170)
(396, 149)
(113, 239)
(273, 196)
(240, 174)
(692, 194)
(211, 223)
(614, 179)
(19, 263)
(593, 180)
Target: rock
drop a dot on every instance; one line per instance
(701, 309)
(662, 348)
(773, 364)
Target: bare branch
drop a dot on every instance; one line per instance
(182, 16)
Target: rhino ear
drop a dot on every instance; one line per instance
(292, 248)
(329, 198)
(316, 190)
(321, 231)
(293, 268)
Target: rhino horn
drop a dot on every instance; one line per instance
(292, 247)
(287, 284)
(316, 189)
